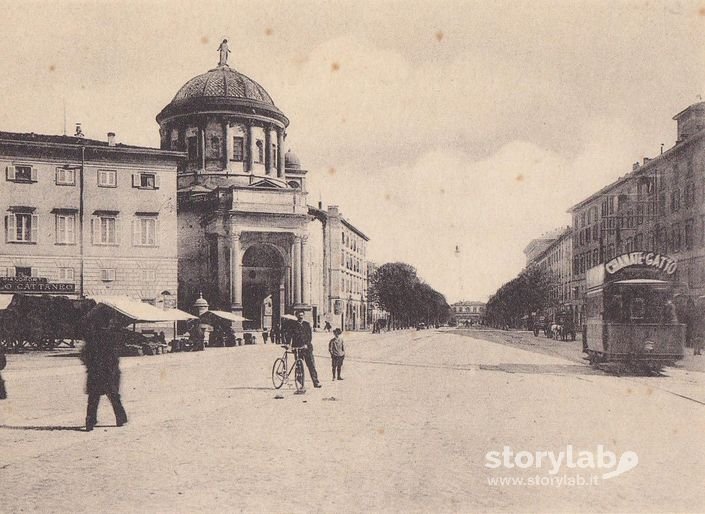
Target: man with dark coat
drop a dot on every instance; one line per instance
(100, 356)
(301, 336)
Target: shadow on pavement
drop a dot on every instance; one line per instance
(49, 428)
(542, 369)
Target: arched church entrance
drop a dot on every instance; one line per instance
(263, 272)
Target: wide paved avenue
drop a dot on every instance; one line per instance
(408, 429)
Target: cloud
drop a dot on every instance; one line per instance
(491, 208)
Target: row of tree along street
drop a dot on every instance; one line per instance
(516, 300)
(397, 289)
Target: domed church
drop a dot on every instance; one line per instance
(242, 210)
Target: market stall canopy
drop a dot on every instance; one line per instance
(140, 311)
(229, 316)
(5, 300)
(290, 316)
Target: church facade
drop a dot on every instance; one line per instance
(244, 226)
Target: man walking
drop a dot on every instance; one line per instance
(301, 338)
(100, 356)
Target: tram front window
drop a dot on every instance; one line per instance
(636, 304)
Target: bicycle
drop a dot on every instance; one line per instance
(281, 370)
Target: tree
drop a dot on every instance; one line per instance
(528, 292)
(397, 289)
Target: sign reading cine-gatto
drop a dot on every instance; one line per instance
(34, 285)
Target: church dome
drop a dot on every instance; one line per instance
(223, 82)
(222, 89)
(292, 161)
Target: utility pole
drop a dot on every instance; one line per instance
(461, 278)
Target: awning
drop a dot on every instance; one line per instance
(5, 300)
(229, 316)
(140, 311)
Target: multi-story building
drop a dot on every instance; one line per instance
(556, 259)
(659, 207)
(343, 274)
(88, 218)
(467, 312)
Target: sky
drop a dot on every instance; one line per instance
(431, 124)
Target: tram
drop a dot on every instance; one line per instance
(630, 317)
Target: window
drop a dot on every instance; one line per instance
(192, 147)
(595, 232)
(107, 275)
(21, 227)
(675, 200)
(66, 274)
(676, 237)
(638, 242)
(21, 174)
(144, 231)
(65, 177)
(104, 230)
(149, 275)
(689, 195)
(260, 151)
(65, 228)
(107, 178)
(215, 147)
(23, 272)
(145, 180)
(238, 149)
(689, 234)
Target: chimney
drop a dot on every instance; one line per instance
(79, 132)
(320, 205)
(646, 159)
(635, 166)
(111, 138)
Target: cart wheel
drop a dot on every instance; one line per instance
(278, 373)
(299, 374)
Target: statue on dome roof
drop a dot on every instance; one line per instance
(224, 51)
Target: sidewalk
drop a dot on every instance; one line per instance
(571, 350)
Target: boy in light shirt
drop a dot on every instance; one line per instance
(336, 348)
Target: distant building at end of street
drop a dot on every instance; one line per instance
(467, 312)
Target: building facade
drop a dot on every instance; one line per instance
(556, 259)
(88, 218)
(340, 283)
(467, 313)
(246, 232)
(658, 207)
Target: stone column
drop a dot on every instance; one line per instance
(280, 150)
(250, 148)
(235, 273)
(305, 271)
(227, 145)
(297, 270)
(267, 149)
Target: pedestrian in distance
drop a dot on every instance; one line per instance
(197, 337)
(3, 363)
(327, 326)
(301, 337)
(336, 348)
(100, 356)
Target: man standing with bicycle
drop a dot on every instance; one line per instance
(301, 338)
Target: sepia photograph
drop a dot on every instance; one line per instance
(309, 256)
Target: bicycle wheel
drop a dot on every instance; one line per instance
(278, 373)
(299, 374)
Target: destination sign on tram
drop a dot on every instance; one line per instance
(650, 259)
